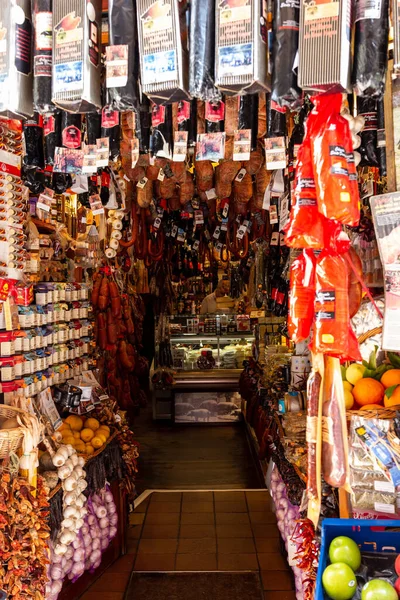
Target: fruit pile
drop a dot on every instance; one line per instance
(85, 435)
(349, 573)
(368, 386)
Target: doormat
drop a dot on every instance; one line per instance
(194, 586)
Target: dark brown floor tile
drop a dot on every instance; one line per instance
(197, 519)
(236, 546)
(157, 546)
(267, 530)
(108, 582)
(136, 518)
(268, 546)
(262, 517)
(162, 519)
(197, 507)
(259, 506)
(155, 562)
(134, 532)
(279, 595)
(232, 518)
(197, 546)
(258, 496)
(231, 507)
(132, 546)
(123, 564)
(272, 562)
(102, 595)
(237, 562)
(164, 507)
(198, 496)
(277, 580)
(239, 530)
(196, 562)
(229, 496)
(197, 531)
(166, 497)
(143, 506)
(160, 531)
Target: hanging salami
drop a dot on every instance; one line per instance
(370, 47)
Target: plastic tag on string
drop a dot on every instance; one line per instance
(218, 246)
(241, 231)
(174, 231)
(198, 217)
(181, 235)
(273, 214)
(141, 184)
(161, 175)
(283, 212)
(240, 175)
(225, 207)
(211, 194)
(157, 223)
(134, 152)
(224, 225)
(247, 224)
(274, 239)
(217, 232)
(196, 245)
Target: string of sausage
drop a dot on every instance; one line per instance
(141, 241)
(134, 228)
(238, 248)
(155, 249)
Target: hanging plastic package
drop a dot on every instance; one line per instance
(366, 107)
(325, 31)
(301, 299)
(333, 161)
(42, 17)
(122, 64)
(202, 51)
(33, 141)
(76, 55)
(161, 131)
(51, 135)
(285, 90)
(241, 61)
(16, 59)
(164, 60)
(71, 130)
(248, 116)
(370, 47)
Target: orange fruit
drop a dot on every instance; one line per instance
(77, 435)
(370, 406)
(368, 391)
(394, 399)
(92, 423)
(390, 378)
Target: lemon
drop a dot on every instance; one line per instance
(76, 435)
(75, 422)
(348, 399)
(354, 373)
(347, 386)
(69, 440)
(87, 434)
(97, 442)
(89, 449)
(92, 423)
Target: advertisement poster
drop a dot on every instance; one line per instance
(386, 217)
(207, 407)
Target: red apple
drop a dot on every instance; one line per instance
(397, 586)
(397, 565)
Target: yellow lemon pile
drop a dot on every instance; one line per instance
(85, 435)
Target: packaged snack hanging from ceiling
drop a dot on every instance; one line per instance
(16, 59)
(285, 90)
(370, 47)
(33, 140)
(248, 116)
(276, 118)
(367, 108)
(161, 133)
(42, 18)
(202, 51)
(333, 162)
(71, 136)
(241, 60)
(335, 452)
(122, 56)
(302, 295)
(51, 135)
(164, 63)
(325, 31)
(110, 129)
(76, 55)
(215, 116)
(332, 331)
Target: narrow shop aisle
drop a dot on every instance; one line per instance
(207, 532)
(192, 457)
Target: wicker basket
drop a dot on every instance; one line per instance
(10, 439)
(375, 413)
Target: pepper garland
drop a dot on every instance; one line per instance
(307, 554)
(24, 535)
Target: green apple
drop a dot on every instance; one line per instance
(344, 549)
(339, 581)
(378, 589)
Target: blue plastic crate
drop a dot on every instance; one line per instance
(371, 536)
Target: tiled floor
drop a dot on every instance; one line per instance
(201, 531)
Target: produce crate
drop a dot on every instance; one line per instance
(371, 536)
